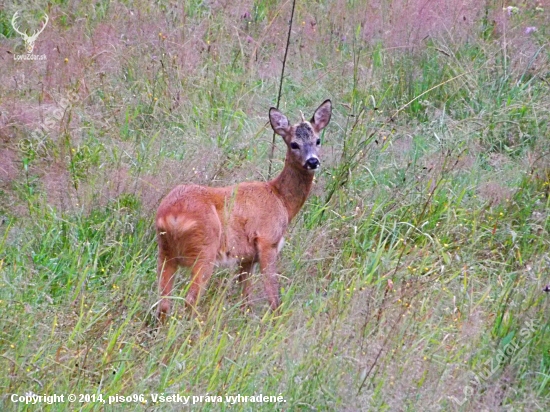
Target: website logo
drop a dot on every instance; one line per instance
(28, 39)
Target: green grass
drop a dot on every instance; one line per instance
(416, 263)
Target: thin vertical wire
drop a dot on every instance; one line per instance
(281, 82)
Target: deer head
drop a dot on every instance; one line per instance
(29, 40)
(302, 139)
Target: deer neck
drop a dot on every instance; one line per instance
(292, 186)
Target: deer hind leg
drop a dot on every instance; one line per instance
(268, 259)
(201, 271)
(166, 269)
(202, 247)
(245, 271)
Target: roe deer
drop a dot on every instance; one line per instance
(199, 226)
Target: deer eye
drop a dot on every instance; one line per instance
(318, 142)
(294, 146)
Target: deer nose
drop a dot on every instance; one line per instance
(312, 163)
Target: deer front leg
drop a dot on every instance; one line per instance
(268, 260)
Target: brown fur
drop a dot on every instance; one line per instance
(200, 226)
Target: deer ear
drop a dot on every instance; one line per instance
(279, 122)
(321, 117)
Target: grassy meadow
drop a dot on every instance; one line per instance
(413, 277)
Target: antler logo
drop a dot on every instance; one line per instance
(29, 40)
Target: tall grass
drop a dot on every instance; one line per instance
(411, 280)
